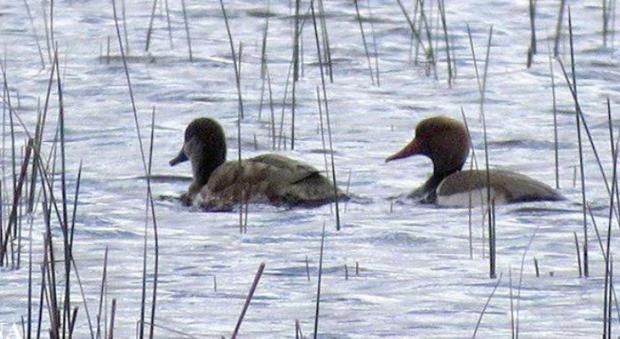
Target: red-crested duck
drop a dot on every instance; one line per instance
(446, 142)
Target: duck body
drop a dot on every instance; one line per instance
(446, 142)
(462, 188)
(269, 178)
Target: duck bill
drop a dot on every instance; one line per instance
(412, 148)
(181, 157)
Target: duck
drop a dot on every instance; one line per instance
(446, 142)
(274, 179)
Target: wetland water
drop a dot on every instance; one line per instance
(416, 278)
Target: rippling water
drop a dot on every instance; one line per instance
(416, 278)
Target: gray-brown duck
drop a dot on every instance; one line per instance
(270, 178)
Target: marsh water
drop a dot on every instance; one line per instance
(416, 277)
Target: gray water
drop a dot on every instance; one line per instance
(416, 278)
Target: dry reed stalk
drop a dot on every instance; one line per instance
(512, 313)
(555, 125)
(42, 291)
(473, 54)
(435, 29)
(611, 278)
(9, 106)
(453, 55)
(130, 88)
(189, 38)
(586, 129)
(107, 56)
(558, 29)
(149, 31)
(326, 45)
(521, 269)
(411, 39)
(47, 32)
(124, 18)
(578, 123)
(259, 273)
(603, 254)
(112, 316)
(240, 57)
(65, 219)
(301, 55)
(607, 296)
(52, 38)
(17, 194)
(101, 290)
(298, 333)
(281, 135)
(482, 87)
(429, 37)
(492, 241)
(144, 164)
(247, 213)
(72, 322)
(286, 84)
(20, 213)
(359, 21)
(149, 199)
(605, 22)
(35, 160)
(318, 288)
(168, 23)
(322, 130)
(77, 276)
(414, 30)
(50, 262)
(612, 9)
(486, 305)
(531, 51)
(75, 203)
(234, 56)
(272, 111)
(177, 333)
(28, 334)
(331, 148)
(614, 146)
(470, 195)
(35, 34)
(374, 44)
(346, 191)
(263, 63)
(578, 254)
(442, 11)
(295, 61)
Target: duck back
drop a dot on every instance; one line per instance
(267, 178)
(506, 187)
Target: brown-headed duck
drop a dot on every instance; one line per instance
(446, 142)
(270, 178)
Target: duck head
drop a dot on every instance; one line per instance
(444, 140)
(205, 147)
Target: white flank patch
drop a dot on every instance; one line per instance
(478, 198)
